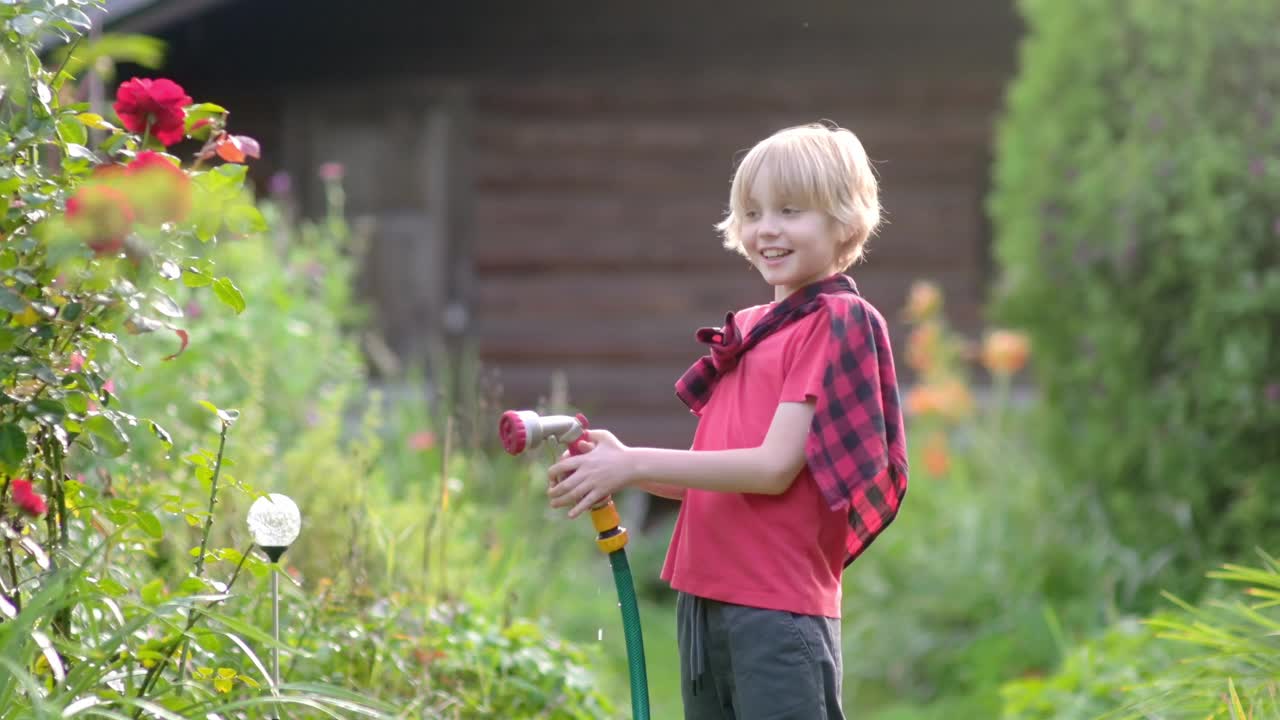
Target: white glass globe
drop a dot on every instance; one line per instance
(274, 521)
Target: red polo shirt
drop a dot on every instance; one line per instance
(779, 552)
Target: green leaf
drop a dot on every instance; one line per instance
(245, 219)
(75, 17)
(72, 130)
(193, 586)
(153, 592)
(112, 440)
(47, 411)
(150, 524)
(208, 220)
(71, 311)
(28, 25)
(234, 174)
(208, 641)
(196, 114)
(192, 277)
(161, 433)
(205, 476)
(11, 301)
(81, 152)
(95, 121)
(44, 374)
(201, 459)
(112, 587)
(166, 305)
(44, 94)
(229, 294)
(13, 447)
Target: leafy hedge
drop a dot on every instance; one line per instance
(1138, 234)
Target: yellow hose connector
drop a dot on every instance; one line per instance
(611, 536)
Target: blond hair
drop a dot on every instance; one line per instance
(818, 166)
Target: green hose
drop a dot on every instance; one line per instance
(631, 629)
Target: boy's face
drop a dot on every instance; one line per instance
(791, 245)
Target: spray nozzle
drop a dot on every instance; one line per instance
(522, 430)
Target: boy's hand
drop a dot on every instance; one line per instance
(580, 481)
(587, 447)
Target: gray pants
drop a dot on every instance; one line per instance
(743, 663)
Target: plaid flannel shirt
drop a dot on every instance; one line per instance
(856, 448)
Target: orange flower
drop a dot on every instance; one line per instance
(949, 398)
(923, 300)
(923, 400)
(937, 457)
(922, 348)
(955, 399)
(1005, 352)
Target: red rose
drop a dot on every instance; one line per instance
(27, 499)
(160, 190)
(162, 103)
(102, 215)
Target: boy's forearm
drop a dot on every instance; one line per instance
(670, 492)
(747, 470)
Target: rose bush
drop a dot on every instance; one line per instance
(126, 580)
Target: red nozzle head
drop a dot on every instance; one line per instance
(514, 434)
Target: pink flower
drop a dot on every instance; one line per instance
(27, 499)
(102, 215)
(160, 104)
(332, 171)
(422, 441)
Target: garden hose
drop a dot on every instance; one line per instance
(524, 429)
(612, 540)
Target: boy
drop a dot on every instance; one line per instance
(799, 458)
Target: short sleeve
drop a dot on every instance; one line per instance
(805, 361)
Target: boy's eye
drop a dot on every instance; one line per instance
(751, 214)
(790, 210)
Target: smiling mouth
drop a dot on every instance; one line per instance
(775, 254)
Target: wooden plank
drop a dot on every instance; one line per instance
(575, 335)
(711, 91)
(685, 297)
(595, 387)
(523, 234)
(651, 317)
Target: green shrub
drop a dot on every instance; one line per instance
(1139, 242)
(994, 564)
(450, 661)
(140, 301)
(1220, 659)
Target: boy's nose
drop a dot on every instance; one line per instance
(769, 224)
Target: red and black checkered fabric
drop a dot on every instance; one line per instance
(856, 449)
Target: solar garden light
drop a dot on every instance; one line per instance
(275, 522)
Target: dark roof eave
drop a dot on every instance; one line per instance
(152, 16)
